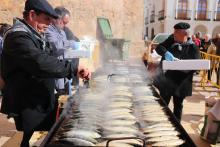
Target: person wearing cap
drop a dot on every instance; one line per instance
(176, 83)
(29, 70)
(58, 40)
(70, 36)
(66, 18)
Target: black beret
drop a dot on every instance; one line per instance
(40, 5)
(181, 25)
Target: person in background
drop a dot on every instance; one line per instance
(211, 50)
(29, 71)
(70, 36)
(205, 43)
(66, 18)
(196, 40)
(199, 36)
(216, 42)
(4, 27)
(58, 40)
(176, 83)
(145, 40)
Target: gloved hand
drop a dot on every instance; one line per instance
(169, 56)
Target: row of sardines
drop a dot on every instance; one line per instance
(119, 110)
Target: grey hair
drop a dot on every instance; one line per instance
(61, 11)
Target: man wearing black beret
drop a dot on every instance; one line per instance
(181, 25)
(176, 83)
(29, 70)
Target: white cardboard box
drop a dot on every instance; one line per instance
(84, 50)
(70, 53)
(196, 64)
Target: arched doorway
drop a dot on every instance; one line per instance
(216, 31)
(200, 28)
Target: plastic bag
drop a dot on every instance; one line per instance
(211, 128)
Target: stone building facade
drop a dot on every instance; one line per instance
(202, 15)
(125, 16)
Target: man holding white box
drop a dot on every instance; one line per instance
(176, 83)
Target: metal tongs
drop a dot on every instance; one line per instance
(110, 76)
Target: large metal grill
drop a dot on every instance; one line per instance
(121, 108)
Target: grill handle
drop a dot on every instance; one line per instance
(124, 138)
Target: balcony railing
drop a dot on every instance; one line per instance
(216, 15)
(203, 15)
(152, 18)
(146, 20)
(161, 15)
(183, 14)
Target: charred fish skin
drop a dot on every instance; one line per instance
(158, 124)
(173, 142)
(159, 129)
(86, 138)
(87, 133)
(161, 133)
(76, 142)
(120, 135)
(116, 116)
(162, 138)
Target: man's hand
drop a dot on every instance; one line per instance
(169, 56)
(83, 73)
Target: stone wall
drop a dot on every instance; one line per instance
(125, 16)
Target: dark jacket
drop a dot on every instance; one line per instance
(71, 36)
(216, 41)
(29, 72)
(205, 45)
(176, 82)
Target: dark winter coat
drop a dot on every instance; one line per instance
(176, 82)
(29, 72)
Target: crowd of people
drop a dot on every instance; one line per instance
(206, 43)
(211, 46)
